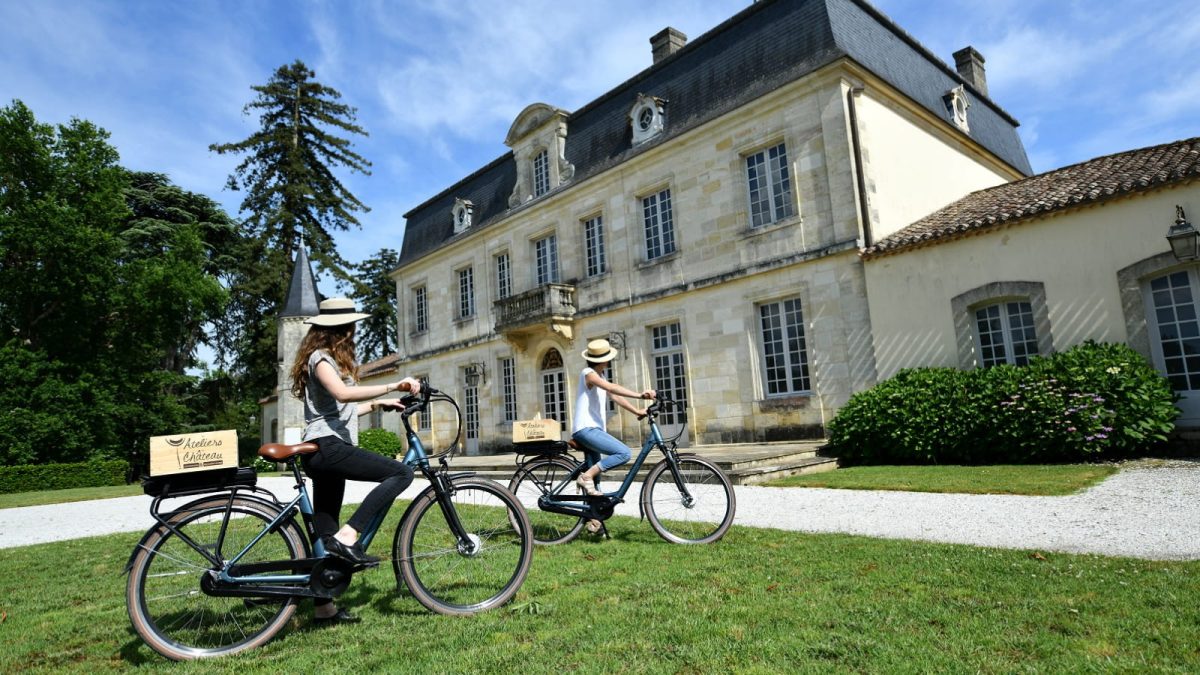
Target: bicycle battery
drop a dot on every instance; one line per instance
(198, 482)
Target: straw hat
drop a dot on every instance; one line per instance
(337, 312)
(599, 351)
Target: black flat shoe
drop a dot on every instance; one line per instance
(342, 616)
(351, 554)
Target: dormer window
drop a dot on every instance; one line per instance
(462, 213)
(956, 105)
(647, 118)
(538, 138)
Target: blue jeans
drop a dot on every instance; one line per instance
(596, 441)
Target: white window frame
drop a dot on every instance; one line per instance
(669, 369)
(554, 389)
(1006, 311)
(466, 292)
(420, 309)
(503, 275)
(545, 255)
(595, 256)
(508, 385)
(788, 317)
(541, 173)
(1185, 324)
(658, 224)
(769, 186)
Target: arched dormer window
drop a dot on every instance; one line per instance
(538, 139)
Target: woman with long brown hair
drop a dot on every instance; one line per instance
(325, 377)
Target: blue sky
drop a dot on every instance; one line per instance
(438, 83)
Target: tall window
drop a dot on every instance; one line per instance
(770, 186)
(545, 252)
(554, 387)
(1176, 329)
(422, 422)
(503, 276)
(508, 383)
(541, 174)
(420, 316)
(1005, 333)
(593, 243)
(660, 229)
(466, 292)
(471, 412)
(785, 354)
(666, 348)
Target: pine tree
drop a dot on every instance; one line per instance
(375, 294)
(292, 195)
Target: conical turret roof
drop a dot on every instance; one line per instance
(302, 298)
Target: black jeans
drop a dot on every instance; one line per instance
(336, 462)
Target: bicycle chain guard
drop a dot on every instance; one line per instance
(330, 577)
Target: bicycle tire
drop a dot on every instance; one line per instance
(166, 606)
(706, 519)
(448, 580)
(534, 479)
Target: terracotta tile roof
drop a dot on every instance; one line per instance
(378, 366)
(1089, 182)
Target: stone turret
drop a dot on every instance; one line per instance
(303, 302)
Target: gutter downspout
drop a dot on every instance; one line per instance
(860, 182)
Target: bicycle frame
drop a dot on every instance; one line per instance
(570, 504)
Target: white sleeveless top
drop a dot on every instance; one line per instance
(591, 404)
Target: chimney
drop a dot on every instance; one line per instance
(969, 64)
(666, 42)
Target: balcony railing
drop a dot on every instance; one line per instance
(547, 307)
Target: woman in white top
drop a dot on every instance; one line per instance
(590, 426)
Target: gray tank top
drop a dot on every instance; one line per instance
(323, 415)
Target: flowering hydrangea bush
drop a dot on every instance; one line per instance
(1090, 402)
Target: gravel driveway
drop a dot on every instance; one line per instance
(1147, 510)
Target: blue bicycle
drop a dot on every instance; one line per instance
(686, 498)
(225, 572)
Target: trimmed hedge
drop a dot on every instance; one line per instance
(380, 441)
(31, 477)
(1093, 401)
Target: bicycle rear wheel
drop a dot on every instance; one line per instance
(538, 478)
(464, 578)
(167, 607)
(701, 515)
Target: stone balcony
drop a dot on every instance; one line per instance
(547, 308)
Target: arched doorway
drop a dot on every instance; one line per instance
(554, 387)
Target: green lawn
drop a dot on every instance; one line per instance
(758, 601)
(8, 501)
(1032, 479)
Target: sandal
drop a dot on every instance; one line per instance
(594, 525)
(588, 487)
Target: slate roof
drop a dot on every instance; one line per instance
(303, 298)
(762, 48)
(1089, 182)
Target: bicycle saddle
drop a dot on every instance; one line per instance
(278, 452)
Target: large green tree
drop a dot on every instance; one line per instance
(106, 278)
(375, 292)
(292, 197)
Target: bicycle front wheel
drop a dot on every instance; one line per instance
(538, 478)
(449, 576)
(699, 513)
(166, 604)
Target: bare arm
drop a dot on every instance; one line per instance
(620, 393)
(344, 393)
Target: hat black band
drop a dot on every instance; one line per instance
(349, 310)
